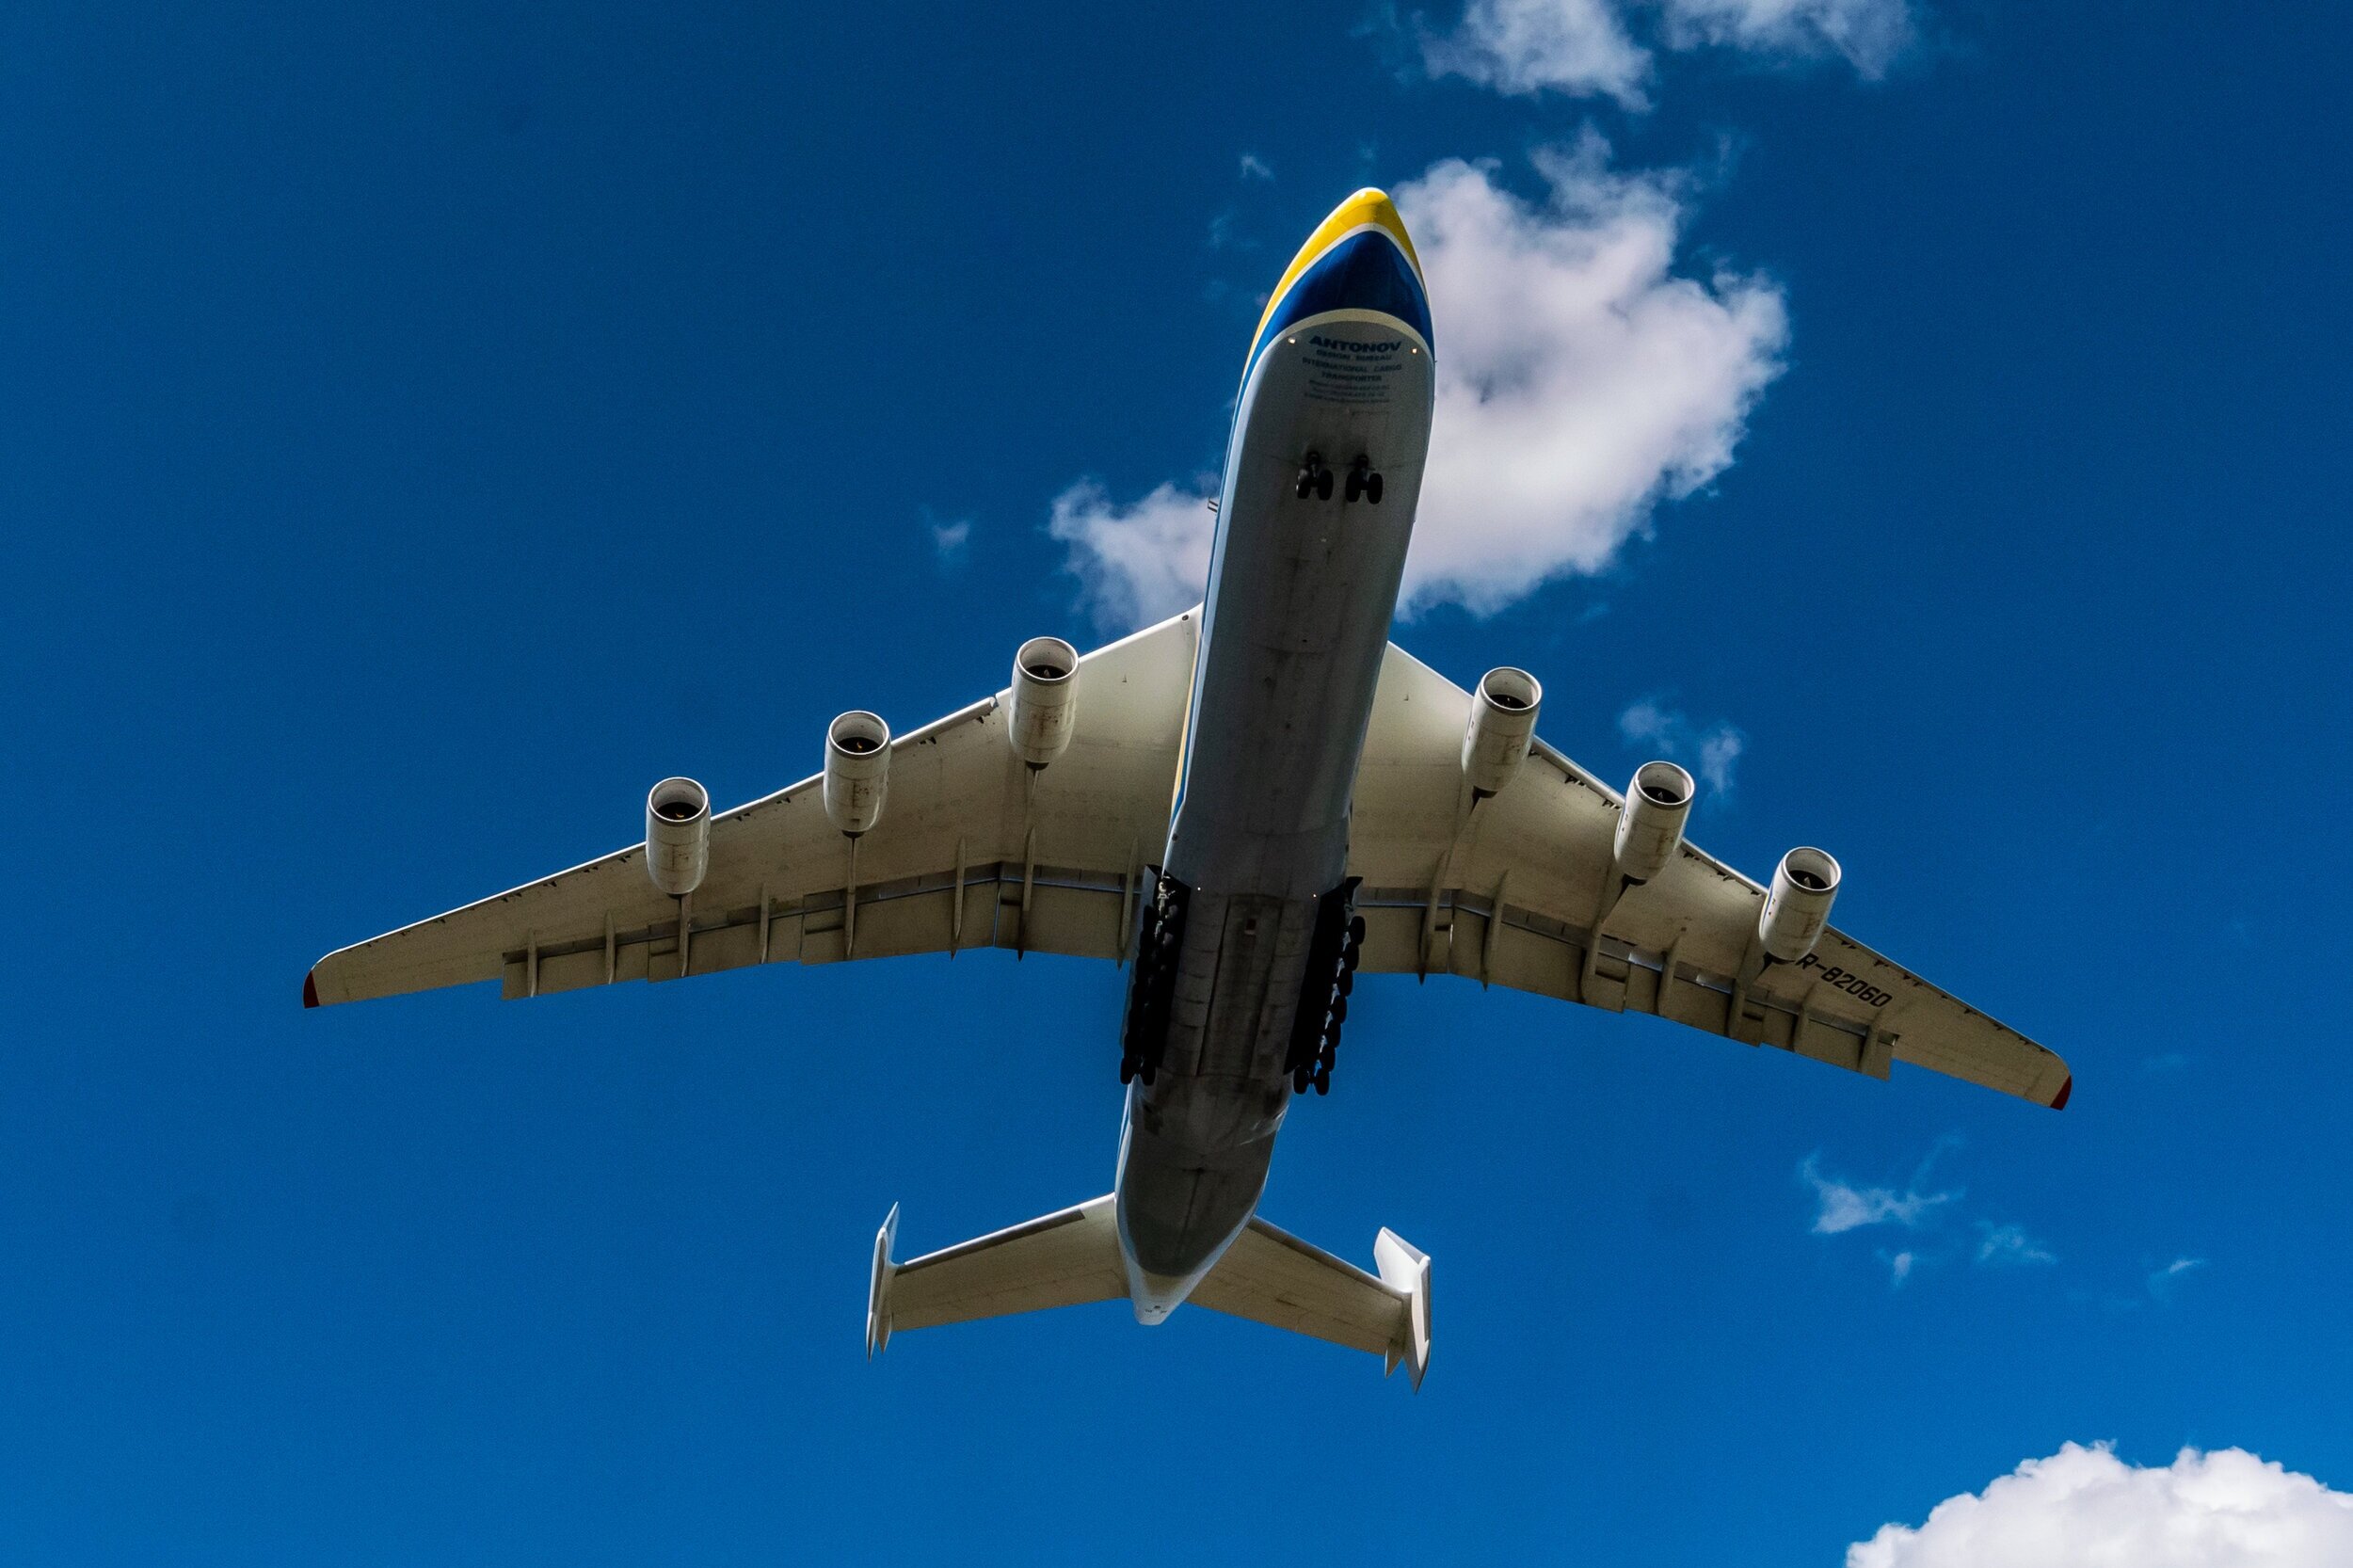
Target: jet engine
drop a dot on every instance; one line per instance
(1503, 722)
(857, 768)
(1650, 827)
(677, 836)
(1798, 906)
(1044, 699)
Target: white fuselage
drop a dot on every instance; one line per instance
(1301, 594)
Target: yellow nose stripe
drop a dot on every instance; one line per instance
(1367, 207)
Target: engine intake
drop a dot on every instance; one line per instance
(677, 836)
(1657, 804)
(857, 771)
(1798, 906)
(1502, 723)
(1044, 699)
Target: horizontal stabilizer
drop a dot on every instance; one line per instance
(1063, 1260)
(1271, 1276)
(1072, 1256)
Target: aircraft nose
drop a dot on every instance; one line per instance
(1359, 259)
(1371, 207)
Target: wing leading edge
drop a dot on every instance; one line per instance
(971, 850)
(1516, 890)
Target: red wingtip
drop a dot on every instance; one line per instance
(2065, 1089)
(310, 992)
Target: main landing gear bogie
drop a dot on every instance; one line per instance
(1315, 480)
(1333, 954)
(1152, 991)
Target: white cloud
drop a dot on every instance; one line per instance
(949, 540)
(1842, 1206)
(2084, 1508)
(1254, 168)
(1868, 34)
(2010, 1244)
(1646, 722)
(1522, 46)
(1578, 379)
(1714, 748)
(1585, 48)
(1135, 564)
(2162, 1281)
(1719, 749)
(1578, 382)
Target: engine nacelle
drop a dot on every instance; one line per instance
(858, 770)
(1044, 699)
(677, 836)
(1798, 906)
(1503, 722)
(1657, 805)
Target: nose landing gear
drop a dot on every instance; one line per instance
(1315, 480)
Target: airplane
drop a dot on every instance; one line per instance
(1247, 805)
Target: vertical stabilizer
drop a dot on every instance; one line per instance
(1405, 1269)
(879, 1288)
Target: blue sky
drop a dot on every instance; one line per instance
(427, 428)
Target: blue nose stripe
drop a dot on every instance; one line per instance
(1364, 272)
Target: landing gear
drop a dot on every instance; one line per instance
(1334, 950)
(1152, 991)
(1314, 479)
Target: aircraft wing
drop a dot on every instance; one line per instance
(971, 850)
(1510, 892)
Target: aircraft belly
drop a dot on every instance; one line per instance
(1301, 600)
(1301, 597)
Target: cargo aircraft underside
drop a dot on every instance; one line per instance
(1249, 804)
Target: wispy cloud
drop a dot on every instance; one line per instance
(1254, 168)
(1579, 47)
(949, 540)
(1931, 1213)
(1588, 48)
(1712, 749)
(1720, 747)
(1867, 34)
(1843, 1206)
(2010, 1244)
(1580, 381)
(2163, 1281)
(2085, 1505)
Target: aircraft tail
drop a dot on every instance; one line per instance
(1072, 1256)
